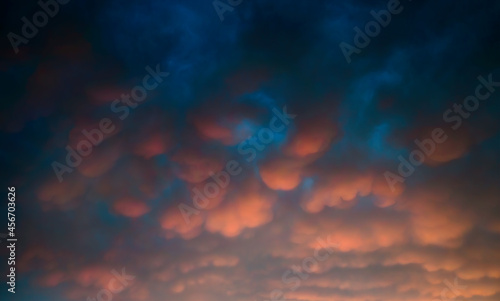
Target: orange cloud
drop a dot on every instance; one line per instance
(430, 261)
(195, 167)
(250, 208)
(130, 207)
(352, 230)
(209, 128)
(454, 147)
(281, 174)
(93, 276)
(224, 124)
(385, 195)
(208, 200)
(436, 220)
(338, 191)
(175, 224)
(311, 137)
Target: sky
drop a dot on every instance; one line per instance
(250, 150)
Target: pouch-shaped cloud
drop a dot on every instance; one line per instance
(229, 125)
(281, 174)
(321, 177)
(175, 224)
(195, 166)
(435, 219)
(386, 196)
(312, 136)
(337, 190)
(130, 207)
(454, 147)
(97, 276)
(209, 127)
(154, 136)
(249, 208)
(210, 200)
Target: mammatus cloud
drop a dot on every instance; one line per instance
(257, 152)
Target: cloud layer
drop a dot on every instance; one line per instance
(262, 150)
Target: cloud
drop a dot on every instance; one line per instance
(281, 174)
(130, 207)
(356, 231)
(338, 190)
(311, 137)
(250, 208)
(61, 194)
(436, 220)
(173, 221)
(322, 177)
(194, 166)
